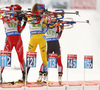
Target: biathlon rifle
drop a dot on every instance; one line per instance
(9, 15)
(60, 12)
(38, 16)
(66, 23)
(48, 14)
(56, 14)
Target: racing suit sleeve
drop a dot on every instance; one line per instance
(19, 27)
(44, 25)
(59, 31)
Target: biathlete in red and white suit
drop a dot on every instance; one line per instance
(13, 31)
(53, 46)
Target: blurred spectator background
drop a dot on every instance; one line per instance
(65, 4)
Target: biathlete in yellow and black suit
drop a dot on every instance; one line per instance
(37, 35)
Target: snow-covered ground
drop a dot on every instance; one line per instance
(82, 39)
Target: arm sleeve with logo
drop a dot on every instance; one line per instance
(19, 27)
(44, 26)
(60, 30)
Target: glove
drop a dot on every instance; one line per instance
(25, 21)
(0, 15)
(30, 18)
(57, 24)
(62, 27)
(20, 17)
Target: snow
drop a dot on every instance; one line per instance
(82, 39)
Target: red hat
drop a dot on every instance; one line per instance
(16, 7)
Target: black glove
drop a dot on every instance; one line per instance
(25, 21)
(20, 17)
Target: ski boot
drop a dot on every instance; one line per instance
(45, 77)
(40, 77)
(1, 78)
(60, 77)
(22, 80)
(23, 76)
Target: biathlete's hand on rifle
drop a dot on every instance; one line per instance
(19, 17)
(62, 27)
(57, 24)
(25, 21)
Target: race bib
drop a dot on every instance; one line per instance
(71, 61)
(88, 62)
(31, 59)
(52, 60)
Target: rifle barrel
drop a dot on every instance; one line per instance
(87, 21)
(77, 12)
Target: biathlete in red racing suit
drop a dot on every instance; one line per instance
(13, 37)
(52, 38)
